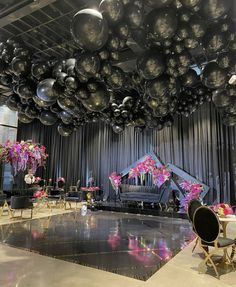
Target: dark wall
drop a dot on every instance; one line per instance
(199, 144)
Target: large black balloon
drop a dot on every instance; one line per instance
(213, 76)
(89, 29)
(151, 64)
(87, 64)
(98, 100)
(48, 118)
(112, 10)
(45, 90)
(65, 130)
(214, 9)
(22, 117)
(162, 23)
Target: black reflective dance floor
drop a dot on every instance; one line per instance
(129, 245)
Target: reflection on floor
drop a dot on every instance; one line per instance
(129, 245)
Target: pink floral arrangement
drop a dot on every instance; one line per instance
(142, 167)
(40, 194)
(23, 155)
(61, 179)
(115, 179)
(91, 188)
(193, 191)
(160, 175)
(223, 209)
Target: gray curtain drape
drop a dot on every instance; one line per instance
(200, 145)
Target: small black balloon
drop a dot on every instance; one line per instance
(87, 64)
(65, 130)
(48, 118)
(23, 118)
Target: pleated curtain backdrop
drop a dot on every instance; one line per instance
(200, 145)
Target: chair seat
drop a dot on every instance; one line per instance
(222, 242)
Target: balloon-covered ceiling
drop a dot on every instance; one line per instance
(184, 55)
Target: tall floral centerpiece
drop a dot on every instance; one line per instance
(193, 191)
(23, 155)
(115, 180)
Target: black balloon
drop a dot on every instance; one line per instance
(117, 78)
(22, 117)
(221, 98)
(213, 76)
(112, 10)
(39, 70)
(87, 64)
(198, 26)
(82, 94)
(65, 117)
(123, 30)
(158, 4)
(19, 66)
(151, 64)
(190, 79)
(25, 91)
(89, 29)
(65, 130)
(71, 83)
(134, 16)
(162, 23)
(118, 129)
(41, 103)
(214, 9)
(190, 3)
(48, 118)
(98, 100)
(214, 41)
(45, 90)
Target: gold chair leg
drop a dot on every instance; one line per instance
(232, 252)
(196, 242)
(208, 258)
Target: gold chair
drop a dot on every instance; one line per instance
(207, 228)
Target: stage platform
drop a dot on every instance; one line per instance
(147, 210)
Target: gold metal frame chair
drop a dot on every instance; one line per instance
(207, 227)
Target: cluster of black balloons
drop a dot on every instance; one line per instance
(187, 58)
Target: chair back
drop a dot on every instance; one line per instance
(20, 202)
(206, 224)
(192, 207)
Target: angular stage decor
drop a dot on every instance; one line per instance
(172, 179)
